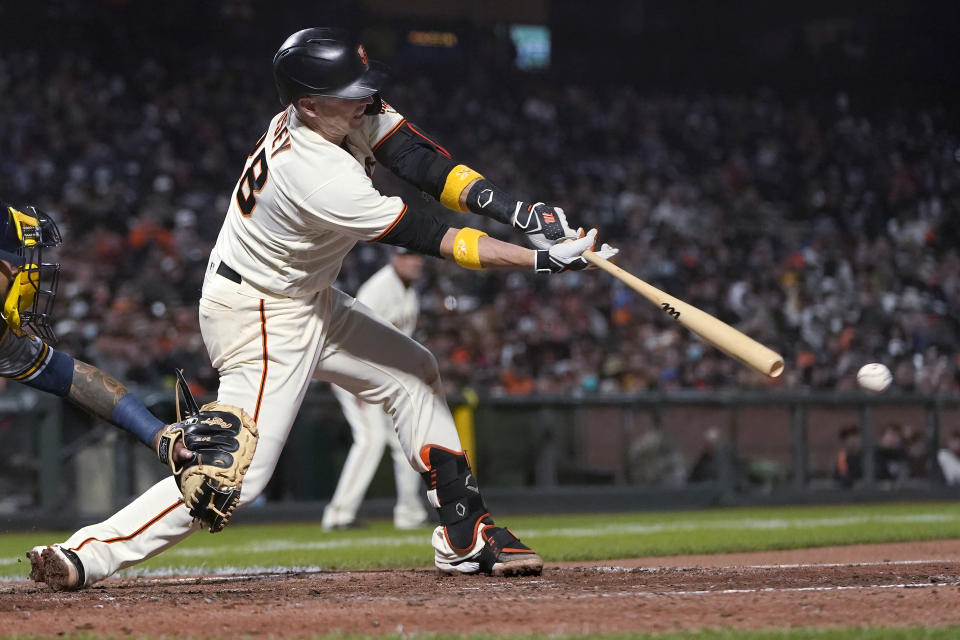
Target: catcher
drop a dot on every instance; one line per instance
(208, 469)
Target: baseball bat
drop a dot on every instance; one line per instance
(721, 335)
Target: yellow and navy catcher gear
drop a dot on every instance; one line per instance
(29, 300)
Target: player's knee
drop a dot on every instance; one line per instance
(428, 369)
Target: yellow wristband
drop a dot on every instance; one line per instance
(457, 180)
(466, 248)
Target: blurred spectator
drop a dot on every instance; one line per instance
(654, 460)
(848, 467)
(707, 465)
(825, 226)
(915, 446)
(949, 459)
(891, 454)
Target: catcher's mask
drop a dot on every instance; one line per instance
(29, 300)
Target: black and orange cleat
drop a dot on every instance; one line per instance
(502, 554)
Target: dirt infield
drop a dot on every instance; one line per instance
(898, 585)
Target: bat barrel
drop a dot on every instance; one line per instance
(721, 335)
(776, 367)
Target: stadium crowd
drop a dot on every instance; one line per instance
(825, 227)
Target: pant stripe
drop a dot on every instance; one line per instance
(153, 521)
(263, 378)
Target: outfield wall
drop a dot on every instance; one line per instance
(61, 467)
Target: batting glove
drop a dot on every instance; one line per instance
(544, 224)
(568, 256)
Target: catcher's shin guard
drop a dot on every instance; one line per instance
(453, 490)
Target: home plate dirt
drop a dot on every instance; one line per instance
(896, 585)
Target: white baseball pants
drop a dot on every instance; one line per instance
(267, 349)
(372, 431)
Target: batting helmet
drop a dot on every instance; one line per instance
(325, 62)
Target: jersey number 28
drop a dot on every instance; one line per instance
(252, 181)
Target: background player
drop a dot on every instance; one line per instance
(271, 320)
(389, 293)
(26, 355)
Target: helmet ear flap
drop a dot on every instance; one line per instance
(282, 91)
(374, 107)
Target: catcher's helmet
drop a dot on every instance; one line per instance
(29, 299)
(325, 62)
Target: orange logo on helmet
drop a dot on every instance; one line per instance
(363, 56)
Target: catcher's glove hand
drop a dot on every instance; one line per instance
(222, 439)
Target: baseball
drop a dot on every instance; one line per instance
(874, 377)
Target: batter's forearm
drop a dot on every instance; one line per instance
(95, 391)
(413, 156)
(462, 202)
(493, 253)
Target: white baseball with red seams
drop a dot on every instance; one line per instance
(874, 377)
(301, 204)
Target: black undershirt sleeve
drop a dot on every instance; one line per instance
(413, 156)
(416, 230)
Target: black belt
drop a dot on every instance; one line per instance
(228, 273)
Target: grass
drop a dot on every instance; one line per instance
(556, 538)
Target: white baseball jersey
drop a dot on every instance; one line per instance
(303, 202)
(390, 299)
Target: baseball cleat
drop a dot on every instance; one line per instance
(60, 568)
(502, 555)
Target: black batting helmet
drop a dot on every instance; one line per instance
(325, 62)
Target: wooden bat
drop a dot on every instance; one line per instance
(721, 335)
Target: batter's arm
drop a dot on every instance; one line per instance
(492, 253)
(473, 249)
(416, 158)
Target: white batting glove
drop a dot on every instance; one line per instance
(544, 224)
(568, 256)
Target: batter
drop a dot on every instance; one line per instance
(271, 320)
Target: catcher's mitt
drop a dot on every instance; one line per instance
(222, 438)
